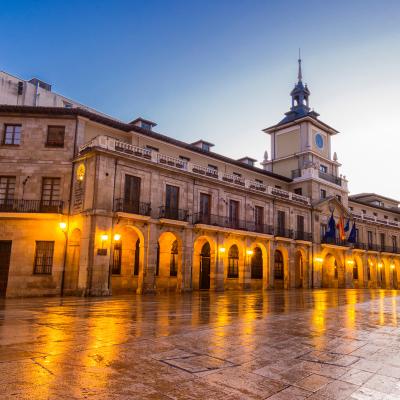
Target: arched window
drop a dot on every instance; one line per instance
(233, 262)
(355, 270)
(205, 250)
(278, 265)
(137, 257)
(173, 265)
(257, 264)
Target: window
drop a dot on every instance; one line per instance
(132, 194)
(339, 198)
(281, 223)
(357, 235)
(300, 227)
(12, 135)
(233, 262)
(394, 244)
(355, 271)
(278, 187)
(370, 238)
(257, 264)
(205, 208)
(382, 237)
(67, 105)
(237, 174)
(323, 168)
(172, 202)
(7, 190)
(50, 190)
(259, 218)
(205, 146)
(323, 230)
(278, 265)
(55, 136)
(117, 258)
(214, 167)
(137, 258)
(184, 158)
(375, 214)
(259, 181)
(43, 257)
(298, 191)
(364, 211)
(233, 213)
(323, 194)
(173, 265)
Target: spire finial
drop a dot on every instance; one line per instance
(299, 74)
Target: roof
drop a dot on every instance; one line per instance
(366, 204)
(363, 195)
(61, 111)
(201, 141)
(311, 116)
(146, 121)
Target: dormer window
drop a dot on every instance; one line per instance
(203, 145)
(143, 123)
(248, 161)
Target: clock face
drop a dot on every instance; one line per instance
(319, 141)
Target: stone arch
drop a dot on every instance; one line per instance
(358, 272)
(386, 273)
(199, 262)
(259, 256)
(169, 268)
(300, 271)
(333, 271)
(280, 267)
(71, 274)
(234, 282)
(372, 272)
(126, 265)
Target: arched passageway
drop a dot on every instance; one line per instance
(71, 274)
(279, 269)
(333, 274)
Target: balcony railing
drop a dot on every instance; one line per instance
(335, 241)
(301, 235)
(32, 206)
(120, 205)
(111, 144)
(373, 247)
(360, 246)
(390, 249)
(227, 222)
(330, 178)
(173, 213)
(283, 232)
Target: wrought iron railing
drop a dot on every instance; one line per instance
(335, 241)
(283, 232)
(330, 178)
(31, 206)
(136, 207)
(301, 235)
(173, 213)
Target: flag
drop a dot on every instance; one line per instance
(340, 226)
(331, 231)
(353, 234)
(347, 226)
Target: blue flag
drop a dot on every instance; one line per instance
(331, 231)
(347, 226)
(353, 234)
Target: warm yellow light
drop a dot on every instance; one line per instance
(117, 237)
(392, 266)
(222, 249)
(318, 259)
(380, 265)
(63, 226)
(350, 262)
(249, 252)
(104, 237)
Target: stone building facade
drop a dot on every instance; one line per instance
(90, 205)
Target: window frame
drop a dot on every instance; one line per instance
(13, 135)
(54, 144)
(44, 268)
(233, 262)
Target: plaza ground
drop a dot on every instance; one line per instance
(321, 344)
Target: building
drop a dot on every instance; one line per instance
(91, 205)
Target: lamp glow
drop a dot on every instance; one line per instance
(380, 265)
(350, 262)
(249, 252)
(63, 226)
(318, 259)
(222, 249)
(104, 237)
(392, 266)
(117, 237)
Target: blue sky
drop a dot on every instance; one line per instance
(222, 70)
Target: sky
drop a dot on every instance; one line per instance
(223, 70)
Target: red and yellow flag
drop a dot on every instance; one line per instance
(340, 226)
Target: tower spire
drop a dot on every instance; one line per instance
(299, 74)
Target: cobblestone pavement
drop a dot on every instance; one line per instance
(322, 344)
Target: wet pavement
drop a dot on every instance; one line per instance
(277, 345)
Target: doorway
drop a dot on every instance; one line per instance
(205, 263)
(5, 256)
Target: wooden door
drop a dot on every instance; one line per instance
(132, 194)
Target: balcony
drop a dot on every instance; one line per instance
(301, 235)
(335, 242)
(138, 208)
(390, 249)
(330, 178)
(173, 213)
(359, 246)
(226, 222)
(283, 232)
(32, 206)
(373, 247)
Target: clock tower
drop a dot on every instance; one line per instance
(301, 149)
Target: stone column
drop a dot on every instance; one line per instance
(219, 264)
(291, 278)
(150, 261)
(266, 266)
(187, 257)
(271, 258)
(348, 269)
